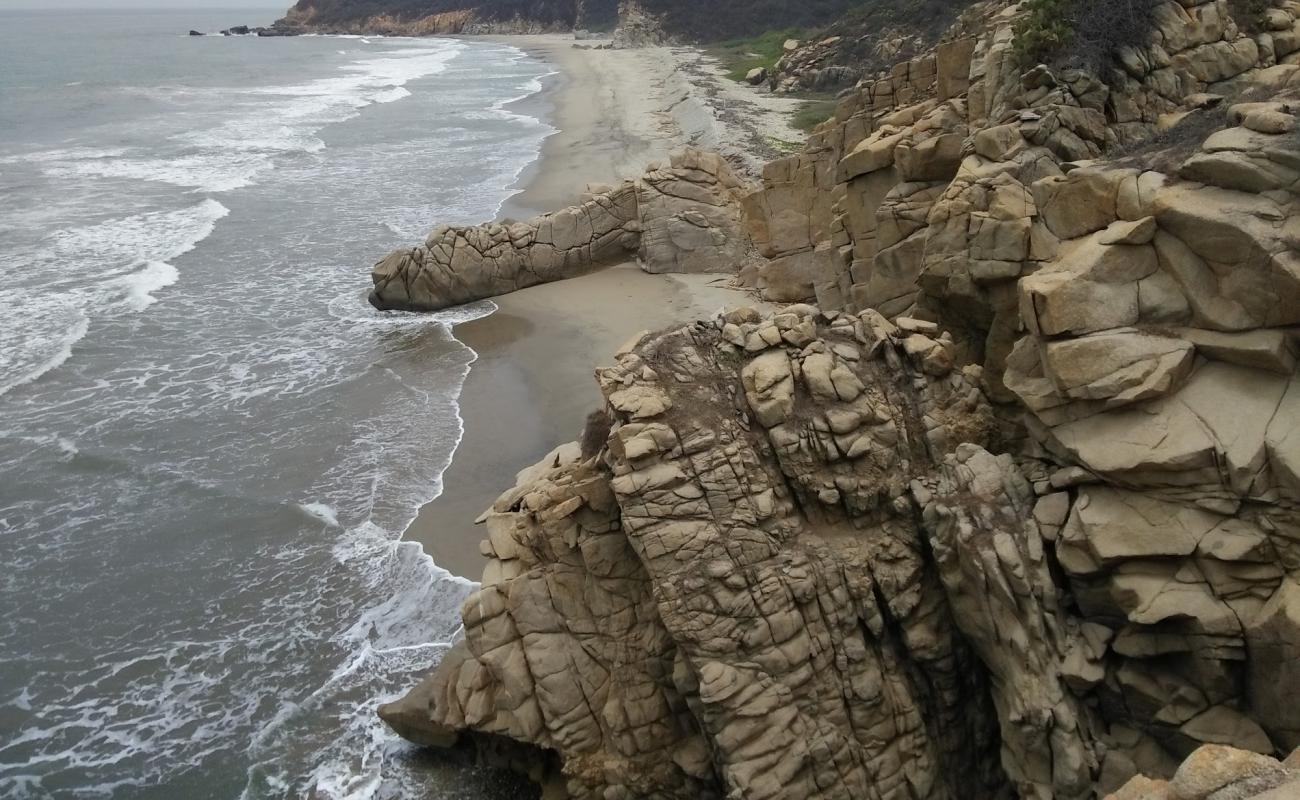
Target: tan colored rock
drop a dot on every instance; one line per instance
(811, 562)
(1142, 788)
(685, 217)
(1269, 121)
(769, 388)
(1214, 768)
(1115, 525)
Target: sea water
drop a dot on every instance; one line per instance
(209, 443)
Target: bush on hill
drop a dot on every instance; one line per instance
(1080, 33)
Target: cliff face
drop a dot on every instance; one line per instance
(1013, 510)
(735, 594)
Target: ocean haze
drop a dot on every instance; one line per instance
(211, 443)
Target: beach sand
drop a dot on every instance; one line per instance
(618, 111)
(533, 384)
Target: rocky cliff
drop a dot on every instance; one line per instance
(1004, 503)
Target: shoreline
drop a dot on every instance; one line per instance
(531, 385)
(602, 133)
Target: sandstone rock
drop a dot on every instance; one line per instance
(1268, 121)
(681, 218)
(811, 561)
(1116, 525)
(1212, 769)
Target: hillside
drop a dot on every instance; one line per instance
(444, 16)
(684, 19)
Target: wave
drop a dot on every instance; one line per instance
(268, 122)
(140, 286)
(392, 95)
(131, 242)
(26, 355)
(374, 609)
(120, 263)
(351, 307)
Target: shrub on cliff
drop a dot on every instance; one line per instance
(1080, 33)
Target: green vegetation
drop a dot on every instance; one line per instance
(739, 56)
(813, 113)
(784, 147)
(1080, 33)
(1044, 31)
(723, 20)
(695, 20)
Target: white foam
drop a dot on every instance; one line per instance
(140, 286)
(231, 155)
(392, 95)
(121, 264)
(210, 172)
(353, 308)
(27, 354)
(322, 512)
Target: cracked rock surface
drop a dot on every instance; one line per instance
(680, 217)
(1003, 502)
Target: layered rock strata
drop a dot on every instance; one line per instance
(681, 217)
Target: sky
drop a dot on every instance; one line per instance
(106, 4)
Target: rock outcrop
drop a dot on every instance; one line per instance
(735, 597)
(1014, 510)
(638, 27)
(1215, 772)
(683, 217)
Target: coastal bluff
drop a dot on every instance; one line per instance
(1002, 499)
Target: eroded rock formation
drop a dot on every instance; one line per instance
(735, 595)
(681, 217)
(1014, 510)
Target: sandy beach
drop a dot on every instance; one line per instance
(617, 111)
(532, 387)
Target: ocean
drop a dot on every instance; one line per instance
(210, 445)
